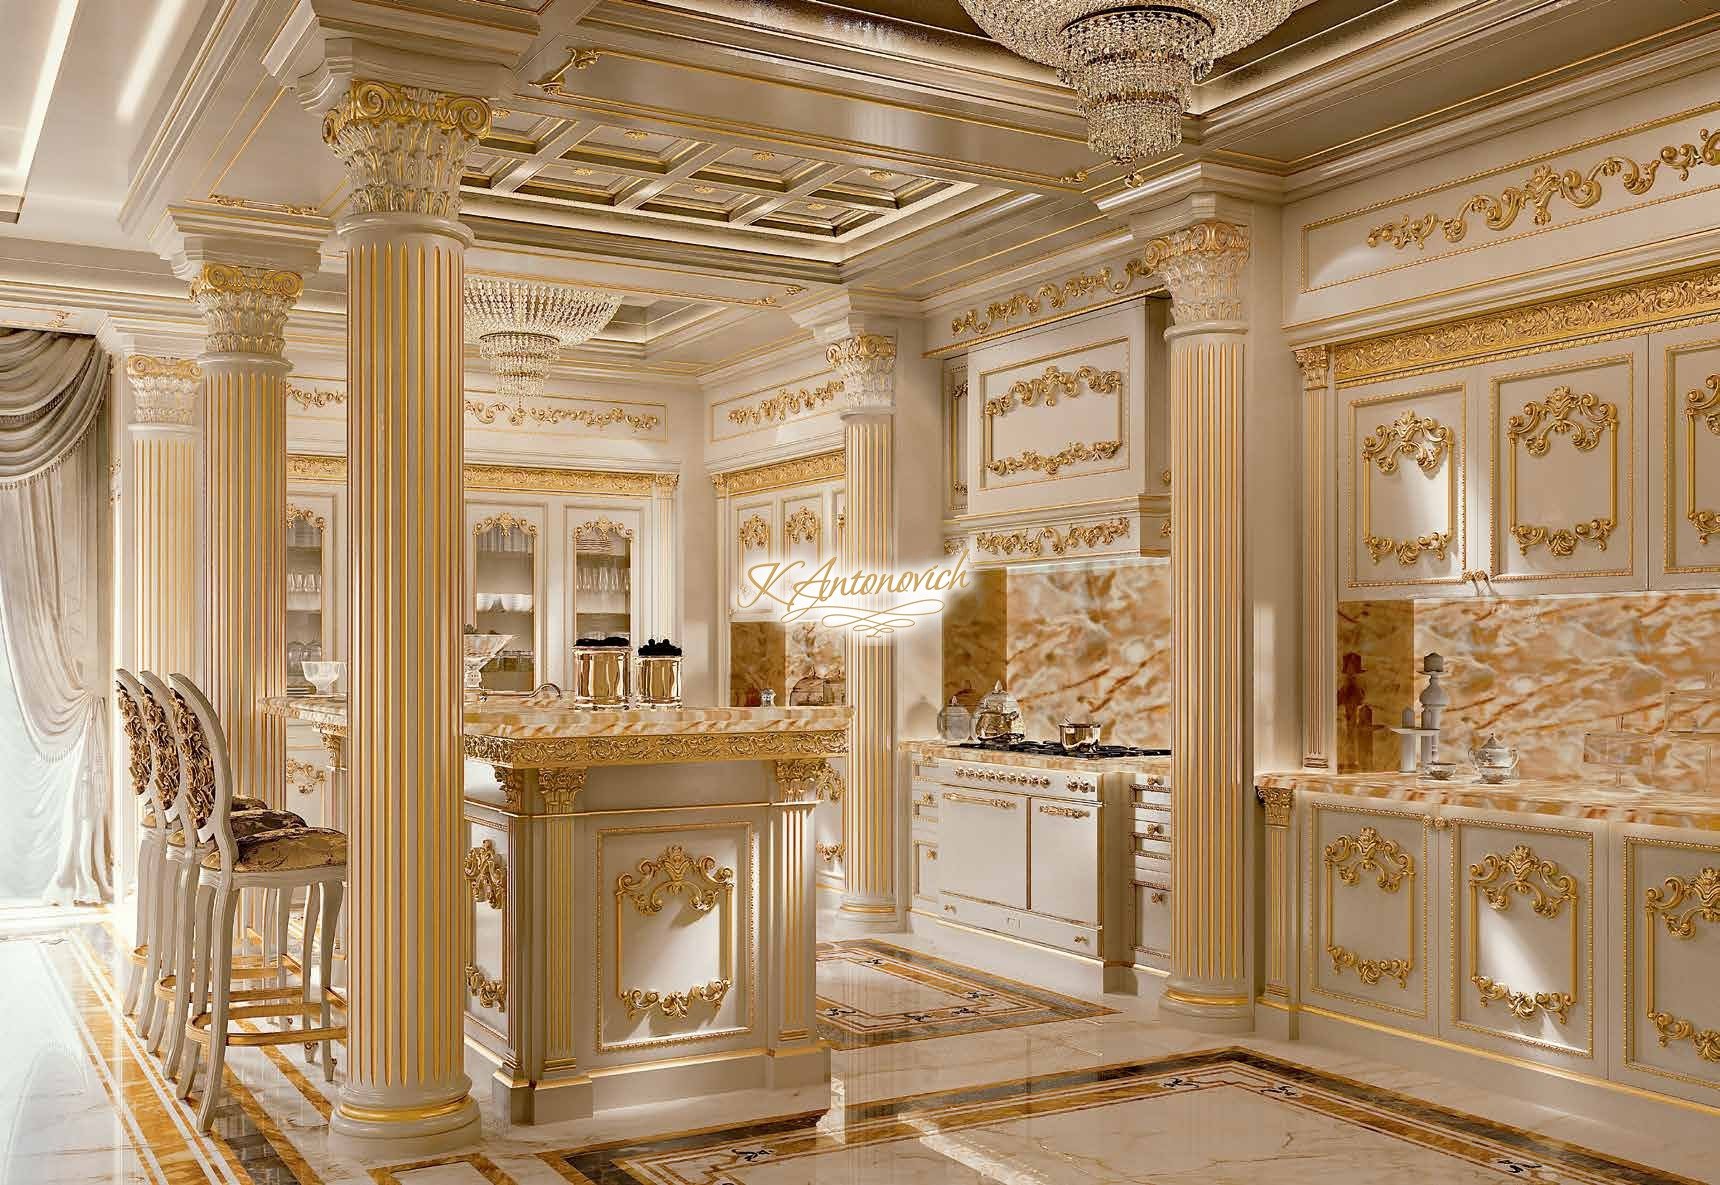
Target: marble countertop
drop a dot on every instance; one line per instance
(511, 732)
(1568, 797)
(944, 751)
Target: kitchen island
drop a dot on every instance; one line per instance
(641, 896)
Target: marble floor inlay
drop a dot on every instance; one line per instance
(1212, 1118)
(872, 992)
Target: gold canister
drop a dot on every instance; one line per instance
(602, 677)
(660, 680)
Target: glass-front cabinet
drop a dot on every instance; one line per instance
(506, 574)
(309, 568)
(603, 551)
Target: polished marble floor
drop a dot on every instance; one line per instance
(1110, 1094)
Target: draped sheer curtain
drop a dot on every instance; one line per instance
(54, 787)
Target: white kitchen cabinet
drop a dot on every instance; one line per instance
(1064, 860)
(506, 544)
(604, 575)
(982, 842)
(1683, 416)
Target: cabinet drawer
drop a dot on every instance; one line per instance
(923, 803)
(1152, 919)
(983, 846)
(925, 872)
(1153, 824)
(1064, 860)
(1054, 932)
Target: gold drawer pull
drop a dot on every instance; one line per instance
(1155, 829)
(949, 909)
(1159, 896)
(996, 804)
(1064, 812)
(931, 853)
(1082, 939)
(926, 800)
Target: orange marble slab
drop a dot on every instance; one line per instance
(940, 751)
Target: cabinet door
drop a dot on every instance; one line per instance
(1368, 883)
(756, 537)
(1671, 926)
(1063, 861)
(983, 846)
(1521, 978)
(1683, 410)
(506, 583)
(1562, 472)
(1402, 450)
(313, 586)
(604, 546)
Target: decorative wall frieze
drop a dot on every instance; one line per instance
(1037, 541)
(164, 390)
(1054, 385)
(404, 147)
(1580, 187)
(753, 533)
(676, 1004)
(486, 875)
(513, 479)
(1033, 461)
(1202, 266)
(521, 413)
(315, 398)
(1031, 302)
(514, 755)
(802, 526)
(1704, 405)
(239, 203)
(799, 471)
(245, 307)
(1584, 419)
(787, 405)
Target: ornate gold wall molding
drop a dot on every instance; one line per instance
(603, 528)
(506, 521)
(519, 413)
(517, 754)
(491, 992)
(314, 398)
(1580, 187)
(1052, 386)
(1632, 306)
(1500, 879)
(512, 479)
(303, 514)
(702, 885)
(798, 471)
(305, 777)
(404, 147)
(1033, 461)
(1667, 903)
(754, 533)
(830, 853)
(1030, 302)
(487, 875)
(674, 1004)
(1429, 444)
(1702, 404)
(1346, 858)
(786, 405)
(802, 526)
(1583, 418)
(1034, 542)
(239, 203)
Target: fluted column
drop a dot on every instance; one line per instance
(162, 510)
(1203, 265)
(866, 362)
(1319, 583)
(245, 505)
(404, 149)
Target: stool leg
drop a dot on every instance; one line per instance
(140, 926)
(306, 963)
(220, 977)
(161, 940)
(331, 895)
(182, 915)
(283, 915)
(192, 974)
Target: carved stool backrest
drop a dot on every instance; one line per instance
(140, 756)
(208, 775)
(164, 744)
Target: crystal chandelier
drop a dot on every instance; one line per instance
(522, 326)
(1132, 66)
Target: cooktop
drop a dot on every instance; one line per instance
(1053, 749)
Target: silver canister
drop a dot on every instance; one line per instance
(602, 677)
(660, 680)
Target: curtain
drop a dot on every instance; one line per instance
(53, 511)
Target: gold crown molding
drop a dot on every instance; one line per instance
(404, 147)
(1033, 543)
(1030, 302)
(491, 992)
(302, 514)
(1580, 187)
(1649, 303)
(802, 526)
(507, 520)
(799, 471)
(239, 203)
(520, 413)
(1051, 387)
(486, 874)
(528, 479)
(1500, 880)
(1703, 404)
(754, 533)
(1583, 418)
(245, 307)
(520, 753)
(1033, 461)
(1346, 858)
(787, 404)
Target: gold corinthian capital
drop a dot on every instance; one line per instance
(245, 308)
(1202, 266)
(405, 147)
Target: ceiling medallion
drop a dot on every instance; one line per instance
(1133, 66)
(521, 327)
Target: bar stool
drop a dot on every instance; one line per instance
(285, 859)
(178, 878)
(151, 847)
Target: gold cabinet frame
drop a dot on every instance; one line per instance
(1450, 539)
(1320, 921)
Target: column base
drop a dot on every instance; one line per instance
(866, 915)
(401, 1133)
(1209, 1011)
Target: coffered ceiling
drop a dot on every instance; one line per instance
(720, 162)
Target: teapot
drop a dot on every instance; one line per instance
(1494, 760)
(998, 718)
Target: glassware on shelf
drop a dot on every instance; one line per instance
(1692, 717)
(324, 675)
(1619, 750)
(479, 649)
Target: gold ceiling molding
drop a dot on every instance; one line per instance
(506, 478)
(1581, 188)
(239, 203)
(754, 533)
(516, 414)
(1034, 543)
(1583, 418)
(1053, 386)
(1631, 306)
(801, 526)
(1033, 461)
(1704, 405)
(787, 404)
(799, 471)
(1031, 302)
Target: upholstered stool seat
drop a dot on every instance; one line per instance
(241, 803)
(249, 823)
(291, 849)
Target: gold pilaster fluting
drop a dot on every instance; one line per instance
(1280, 890)
(245, 503)
(867, 363)
(162, 512)
(404, 149)
(1203, 265)
(1319, 592)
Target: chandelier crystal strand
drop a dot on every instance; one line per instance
(1132, 66)
(521, 326)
